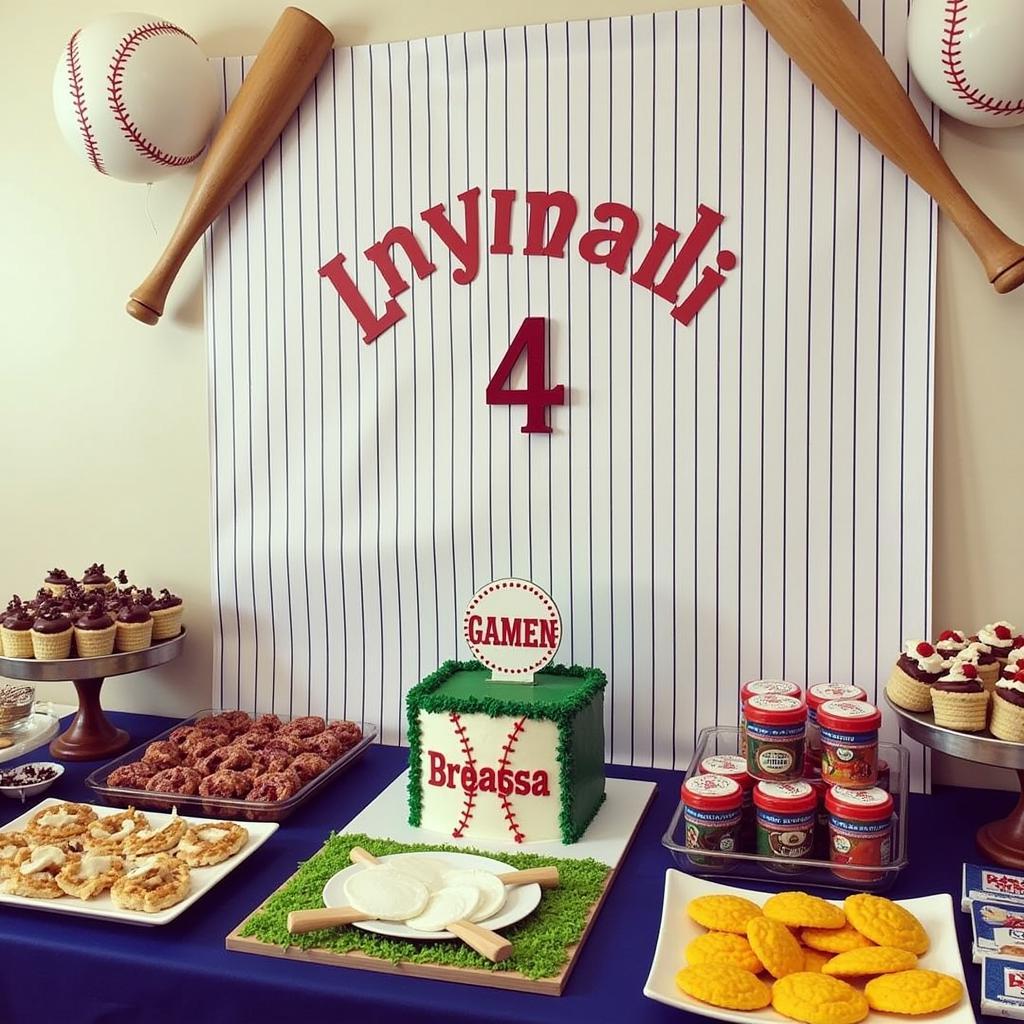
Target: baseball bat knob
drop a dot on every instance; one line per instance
(142, 312)
(1010, 278)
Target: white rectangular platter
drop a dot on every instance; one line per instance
(606, 840)
(678, 930)
(202, 879)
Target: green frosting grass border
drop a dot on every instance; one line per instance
(540, 941)
(424, 696)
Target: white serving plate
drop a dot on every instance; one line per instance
(677, 930)
(39, 727)
(202, 879)
(521, 900)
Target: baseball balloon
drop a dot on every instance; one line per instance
(966, 56)
(135, 97)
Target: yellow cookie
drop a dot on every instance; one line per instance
(723, 913)
(724, 985)
(814, 960)
(886, 923)
(913, 992)
(723, 948)
(873, 960)
(800, 910)
(773, 944)
(818, 999)
(834, 940)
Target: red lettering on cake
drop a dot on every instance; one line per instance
(445, 774)
(505, 784)
(522, 782)
(548, 637)
(511, 632)
(436, 768)
(540, 784)
(486, 780)
(453, 770)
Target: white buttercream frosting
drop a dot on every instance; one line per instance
(1010, 684)
(987, 634)
(43, 857)
(971, 654)
(957, 642)
(94, 864)
(933, 662)
(57, 819)
(956, 674)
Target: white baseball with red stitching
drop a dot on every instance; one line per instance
(966, 56)
(135, 97)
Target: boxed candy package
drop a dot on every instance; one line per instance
(998, 931)
(1002, 988)
(991, 883)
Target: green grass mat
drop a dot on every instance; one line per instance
(540, 941)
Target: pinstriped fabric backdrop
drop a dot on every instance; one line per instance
(747, 496)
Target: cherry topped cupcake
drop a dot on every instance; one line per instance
(1008, 709)
(999, 636)
(918, 667)
(983, 659)
(959, 700)
(134, 627)
(51, 634)
(1014, 663)
(951, 642)
(96, 578)
(167, 611)
(56, 580)
(94, 632)
(16, 630)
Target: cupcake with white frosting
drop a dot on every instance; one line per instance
(959, 700)
(999, 637)
(1014, 663)
(1008, 709)
(981, 656)
(919, 666)
(951, 642)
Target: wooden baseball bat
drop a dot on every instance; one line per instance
(284, 69)
(831, 47)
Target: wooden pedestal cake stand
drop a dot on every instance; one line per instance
(91, 736)
(1001, 841)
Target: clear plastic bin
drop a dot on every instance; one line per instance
(800, 871)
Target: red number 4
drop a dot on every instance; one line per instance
(536, 396)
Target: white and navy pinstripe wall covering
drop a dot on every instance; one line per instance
(744, 496)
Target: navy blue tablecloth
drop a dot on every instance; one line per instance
(61, 968)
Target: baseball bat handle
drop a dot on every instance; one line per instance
(831, 47)
(284, 69)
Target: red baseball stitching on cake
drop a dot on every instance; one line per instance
(92, 151)
(506, 754)
(115, 97)
(469, 803)
(952, 60)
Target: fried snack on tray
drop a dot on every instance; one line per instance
(274, 786)
(326, 744)
(309, 766)
(176, 780)
(151, 840)
(133, 775)
(163, 754)
(34, 873)
(271, 761)
(151, 884)
(302, 728)
(181, 735)
(226, 783)
(287, 744)
(202, 744)
(108, 834)
(50, 824)
(235, 758)
(348, 732)
(270, 723)
(85, 875)
(205, 844)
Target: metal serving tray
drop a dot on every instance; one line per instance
(227, 808)
(802, 871)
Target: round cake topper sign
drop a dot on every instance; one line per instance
(512, 627)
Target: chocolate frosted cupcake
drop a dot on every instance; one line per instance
(51, 634)
(167, 611)
(959, 700)
(999, 636)
(918, 667)
(94, 632)
(16, 630)
(951, 642)
(981, 657)
(1014, 663)
(96, 578)
(134, 627)
(56, 580)
(1008, 709)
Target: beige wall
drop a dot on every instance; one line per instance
(105, 421)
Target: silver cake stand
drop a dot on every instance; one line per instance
(91, 736)
(1002, 841)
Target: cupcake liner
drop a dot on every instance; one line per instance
(989, 675)
(17, 643)
(167, 622)
(95, 643)
(108, 588)
(52, 646)
(133, 636)
(1007, 721)
(966, 712)
(907, 692)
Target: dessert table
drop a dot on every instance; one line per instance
(65, 968)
